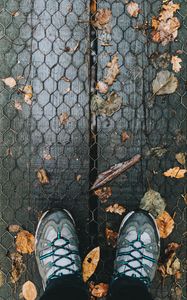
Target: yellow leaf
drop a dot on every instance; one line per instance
(165, 224)
(175, 172)
(42, 176)
(25, 242)
(181, 158)
(90, 263)
(29, 291)
(9, 81)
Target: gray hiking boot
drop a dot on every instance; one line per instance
(138, 247)
(56, 246)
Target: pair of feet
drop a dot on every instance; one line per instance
(57, 253)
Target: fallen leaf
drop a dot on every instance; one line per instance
(90, 263)
(14, 228)
(18, 267)
(115, 171)
(102, 18)
(2, 279)
(165, 224)
(106, 107)
(93, 6)
(42, 176)
(175, 172)
(181, 158)
(124, 136)
(113, 70)
(153, 202)
(29, 291)
(103, 194)
(47, 156)
(15, 13)
(78, 177)
(164, 83)
(9, 81)
(65, 79)
(176, 293)
(116, 208)
(25, 242)
(17, 105)
(157, 151)
(175, 60)
(102, 87)
(172, 247)
(111, 237)
(99, 290)
(63, 118)
(165, 26)
(133, 9)
(28, 94)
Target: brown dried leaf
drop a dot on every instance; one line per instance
(9, 81)
(93, 6)
(124, 136)
(99, 290)
(63, 118)
(90, 263)
(102, 18)
(104, 193)
(47, 156)
(42, 176)
(28, 94)
(111, 237)
(15, 13)
(176, 292)
(172, 247)
(165, 26)
(113, 70)
(160, 60)
(14, 228)
(175, 172)
(116, 208)
(29, 291)
(164, 83)
(25, 242)
(185, 198)
(175, 60)
(17, 105)
(181, 158)
(153, 202)
(165, 224)
(102, 87)
(78, 177)
(18, 267)
(133, 9)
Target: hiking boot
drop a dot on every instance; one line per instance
(138, 247)
(56, 246)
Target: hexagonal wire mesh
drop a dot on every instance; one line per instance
(48, 44)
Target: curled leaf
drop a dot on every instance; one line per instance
(175, 60)
(116, 208)
(102, 18)
(99, 290)
(42, 176)
(18, 267)
(25, 242)
(106, 107)
(9, 81)
(29, 291)
(175, 172)
(153, 202)
(103, 193)
(90, 263)
(165, 224)
(111, 237)
(113, 70)
(164, 83)
(133, 9)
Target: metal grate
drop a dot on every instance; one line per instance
(47, 42)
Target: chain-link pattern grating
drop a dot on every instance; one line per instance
(44, 43)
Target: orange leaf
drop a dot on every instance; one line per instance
(25, 242)
(133, 9)
(113, 70)
(111, 237)
(29, 291)
(103, 193)
(165, 224)
(42, 176)
(116, 208)
(99, 290)
(90, 263)
(93, 6)
(124, 136)
(175, 172)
